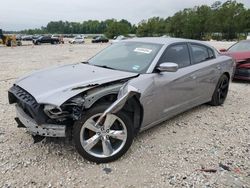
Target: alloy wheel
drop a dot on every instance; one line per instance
(105, 139)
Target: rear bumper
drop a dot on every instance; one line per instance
(242, 74)
(47, 130)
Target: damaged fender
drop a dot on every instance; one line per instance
(123, 97)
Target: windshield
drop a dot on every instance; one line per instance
(127, 56)
(240, 47)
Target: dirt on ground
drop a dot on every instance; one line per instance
(204, 147)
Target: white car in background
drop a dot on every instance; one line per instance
(77, 40)
(118, 39)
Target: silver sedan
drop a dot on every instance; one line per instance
(128, 87)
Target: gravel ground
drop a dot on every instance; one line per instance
(176, 153)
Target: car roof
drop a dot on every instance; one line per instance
(167, 41)
(164, 40)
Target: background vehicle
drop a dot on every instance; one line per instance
(118, 39)
(46, 39)
(34, 37)
(27, 38)
(241, 53)
(126, 88)
(59, 37)
(9, 40)
(77, 40)
(100, 39)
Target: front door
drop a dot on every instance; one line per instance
(176, 91)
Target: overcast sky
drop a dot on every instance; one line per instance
(23, 14)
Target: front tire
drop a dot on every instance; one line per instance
(107, 141)
(221, 90)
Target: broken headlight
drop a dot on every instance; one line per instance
(52, 111)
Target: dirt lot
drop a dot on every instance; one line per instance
(170, 154)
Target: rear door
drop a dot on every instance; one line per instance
(207, 70)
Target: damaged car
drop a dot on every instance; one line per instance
(128, 87)
(240, 52)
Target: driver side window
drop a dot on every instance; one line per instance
(178, 54)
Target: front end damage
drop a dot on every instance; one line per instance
(125, 93)
(32, 116)
(242, 71)
(46, 120)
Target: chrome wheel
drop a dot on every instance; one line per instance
(105, 139)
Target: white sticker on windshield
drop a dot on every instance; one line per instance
(143, 50)
(135, 67)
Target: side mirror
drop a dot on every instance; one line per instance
(223, 50)
(168, 67)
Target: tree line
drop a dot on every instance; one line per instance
(110, 28)
(228, 20)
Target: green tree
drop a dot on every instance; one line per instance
(229, 19)
(115, 28)
(152, 27)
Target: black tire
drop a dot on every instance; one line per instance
(8, 43)
(220, 92)
(88, 114)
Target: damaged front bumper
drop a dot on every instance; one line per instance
(242, 74)
(46, 130)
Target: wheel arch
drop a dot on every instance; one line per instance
(101, 94)
(133, 107)
(227, 74)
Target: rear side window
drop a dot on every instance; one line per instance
(211, 53)
(201, 53)
(177, 54)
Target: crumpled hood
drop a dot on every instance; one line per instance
(56, 85)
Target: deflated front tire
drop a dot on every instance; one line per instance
(107, 141)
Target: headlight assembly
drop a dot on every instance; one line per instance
(52, 111)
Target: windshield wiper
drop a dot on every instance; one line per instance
(105, 66)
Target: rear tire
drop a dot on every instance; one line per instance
(221, 90)
(109, 143)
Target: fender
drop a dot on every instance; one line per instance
(120, 102)
(95, 94)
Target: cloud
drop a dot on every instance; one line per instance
(24, 14)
